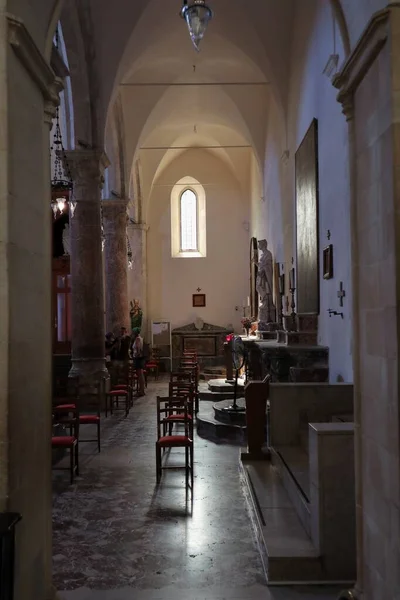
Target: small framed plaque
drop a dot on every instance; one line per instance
(328, 262)
(199, 300)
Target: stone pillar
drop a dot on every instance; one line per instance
(116, 264)
(137, 277)
(88, 336)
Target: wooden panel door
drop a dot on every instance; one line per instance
(62, 323)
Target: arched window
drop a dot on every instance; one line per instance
(188, 211)
(188, 219)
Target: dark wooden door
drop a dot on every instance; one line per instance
(61, 300)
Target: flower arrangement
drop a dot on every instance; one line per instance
(247, 322)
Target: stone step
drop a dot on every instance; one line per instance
(221, 371)
(209, 428)
(213, 391)
(291, 462)
(287, 552)
(221, 386)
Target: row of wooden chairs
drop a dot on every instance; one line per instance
(178, 409)
(83, 407)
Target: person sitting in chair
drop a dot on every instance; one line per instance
(138, 358)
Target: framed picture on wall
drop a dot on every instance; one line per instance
(328, 262)
(199, 300)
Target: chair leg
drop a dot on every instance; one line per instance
(187, 466)
(77, 458)
(191, 465)
(72, 464)
(158, 463)
(98, 435)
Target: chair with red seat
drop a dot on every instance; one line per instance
(68, 418)
(165, 442)
(90, 400)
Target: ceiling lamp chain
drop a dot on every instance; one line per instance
(197, 16)
(61, 183)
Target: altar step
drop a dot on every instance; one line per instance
(218, 389)
(210, 428)
(287, 552)
(208, 373)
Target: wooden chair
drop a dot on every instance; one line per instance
(90, 410)
(68, 418)
(164, 442)
(193, 371)
(153, 364)
(122, 390)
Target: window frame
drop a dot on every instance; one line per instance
(189, 188)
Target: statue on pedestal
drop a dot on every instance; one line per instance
(264, 286)
(136, 315)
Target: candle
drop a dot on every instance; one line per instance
(282, 284)
(291, 279)
(248, 300)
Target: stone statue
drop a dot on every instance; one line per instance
(264, 282)
(136, 315)
(66, 241)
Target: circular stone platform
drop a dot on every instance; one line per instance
(230, 416)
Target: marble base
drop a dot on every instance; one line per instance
(307, 322)
(312, 374)
(225, 414)
(288, 323)
(267, 335)
(304, 338)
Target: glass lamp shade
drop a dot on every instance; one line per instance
(197, 15)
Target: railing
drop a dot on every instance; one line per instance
(8, 521)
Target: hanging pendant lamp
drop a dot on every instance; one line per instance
(197, 15)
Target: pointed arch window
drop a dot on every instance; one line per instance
(188, 221)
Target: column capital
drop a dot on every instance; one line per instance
(360, 60)
(87, 165)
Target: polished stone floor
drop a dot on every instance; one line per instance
(118, 536)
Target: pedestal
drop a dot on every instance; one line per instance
(116, 265)
(87, 296)
(256, 395)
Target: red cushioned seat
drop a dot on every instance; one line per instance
(151, 365)
(85, 419)
(178, 416)
(174, 440)
(118, 393)
(65, 441)
(65, 407)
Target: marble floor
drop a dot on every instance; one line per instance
(117, 536)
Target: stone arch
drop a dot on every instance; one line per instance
(341, 21)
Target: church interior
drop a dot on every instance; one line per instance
(199, 361)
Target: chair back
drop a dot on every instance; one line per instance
(67, 417)
(167, 406)
(185, 376)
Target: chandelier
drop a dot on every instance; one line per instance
(61, 183)
(197, 15)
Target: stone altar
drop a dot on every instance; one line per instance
(207, 341)
(275, 359)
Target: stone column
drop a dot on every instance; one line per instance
(88, 336)
(137, 277)
(116, 264)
